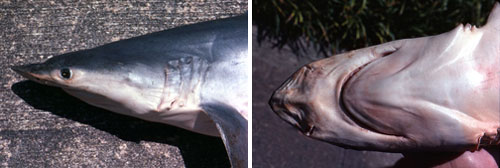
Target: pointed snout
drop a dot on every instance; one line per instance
(291, 103)
(23, 70)
(35, 72)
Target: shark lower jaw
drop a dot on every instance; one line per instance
(187, 116)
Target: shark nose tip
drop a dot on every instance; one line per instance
(27, 68)
(24, 70)
(18, 68)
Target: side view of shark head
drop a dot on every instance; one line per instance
(193, 77)
(100, 81)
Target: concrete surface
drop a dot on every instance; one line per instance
(278, 144)
(42, 126)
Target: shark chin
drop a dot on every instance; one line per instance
(436, 93)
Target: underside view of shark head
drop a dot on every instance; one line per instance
(436, 93)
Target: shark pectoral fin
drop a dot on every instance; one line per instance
(233, 130)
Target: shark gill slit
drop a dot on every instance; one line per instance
(163, 92)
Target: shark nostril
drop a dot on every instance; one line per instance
(310, 131)
(305, 128)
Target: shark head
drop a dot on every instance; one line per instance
(165, 91)
(437, 92)
(100, 80)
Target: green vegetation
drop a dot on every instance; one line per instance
(332, 25)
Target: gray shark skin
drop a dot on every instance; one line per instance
(193, 77)
(436, 93)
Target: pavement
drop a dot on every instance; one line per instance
(42, 126)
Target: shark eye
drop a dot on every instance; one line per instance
(66, 73)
